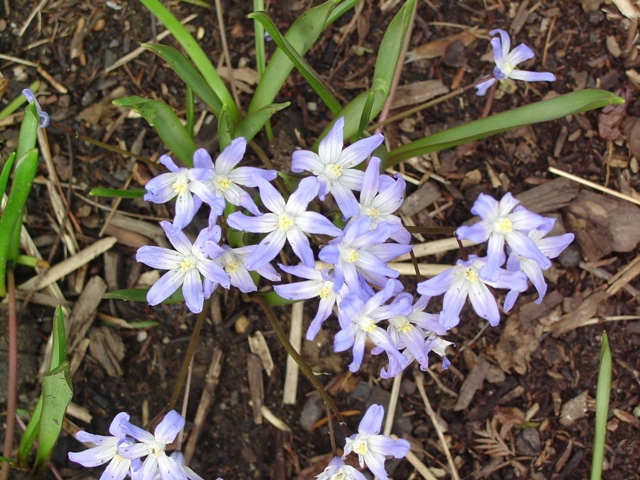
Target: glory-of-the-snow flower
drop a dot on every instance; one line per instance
(287, 221)
(506, 61)
(333, 166)
(373, 448)
(463, 280)
(338, 470)
(43, 117)
(187, 264)
(502, 222)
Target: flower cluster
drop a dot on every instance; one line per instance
(129, 444)
(371, 448)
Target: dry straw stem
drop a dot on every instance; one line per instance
(595, 186)
(138, 51)
(71, 264)
(435, 247)
(417, 464)
(292, 369)
(436, 425)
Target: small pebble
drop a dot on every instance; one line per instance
(142, 336)
(596, 18)
(570, 258)
(241, 325)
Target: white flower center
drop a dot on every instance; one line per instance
(406, 327)
(231, 267)
(179, 187)
(338, 476)
(156, 449)
(188, 263)
(365, 323)
(285, 221)
(470, 274)
(503, 225)
(372, 213)
(351, 255)
(360, 446)
(333, 171)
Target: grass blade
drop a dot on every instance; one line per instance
(603, 391)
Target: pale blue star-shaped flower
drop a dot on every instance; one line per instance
(338, 470)
(105, 450)
(333, 166)
(153, 447)
(361, 254)
(224, 177)
(318, 284)
(373, 448)
(181, 183)
(379, 203)
(187, 264)
(550, 247)
(503, 222)
(359, 316)
(288, 221)
(186, 471)
(464, 280)
(506, 62)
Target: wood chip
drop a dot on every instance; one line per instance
(420, 199)
(258, 346)
(418, 92)
(472, 383)
(518, 341)
(84, 311)
(624, 276)
(107, 349)
(256, 387)
(581, 316)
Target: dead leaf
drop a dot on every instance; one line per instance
(611, 116)
(472, 383)
(517, 341)
(107, 349)
(584, 312)
(438, 48)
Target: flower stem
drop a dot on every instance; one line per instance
(306, 369)
(12, 387)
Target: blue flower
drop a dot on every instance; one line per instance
(550, 247)
(338, 470)
(499, 225)
(186, 471)
(361, 254)
(464, 280)
(379, 203)
(318, 284)
(43, 117)
(181, 182)
(506, 62)
(153, 447)
(359, 316)
(105, 450)
(224, 177)
(373, 448)
(333, 166)
(186, 264)
(287, 221)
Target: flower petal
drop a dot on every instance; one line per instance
(165, 286)
(331, 146)
(193, 291)
(231, 156)
(532, 76)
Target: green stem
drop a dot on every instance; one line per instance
(306, 369)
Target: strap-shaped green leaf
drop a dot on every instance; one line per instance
(252, 124)
(200, 59)
(301, 65)
(388, 54)
(571, 103)
(603, 392)
(6, 172)
(226, 132)
(160, 115)
(301, 37)
(118, 193)
(29, 436)
(189, 75)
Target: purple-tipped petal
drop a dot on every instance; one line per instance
(532, 76)
(231, 156)
(372, 420)
(169, 427)
(518, 55)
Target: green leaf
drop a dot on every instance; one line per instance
(59, 341)
(6, 172)
(24, 174)
(301, 65)
(603, 392)
(251, 125)
(301, 37)
(56, 395)
(569, 104)
(118, 193)
(387, 59)
(189, 75)
(225, 128)
(365, 118)
(29, 435)
(158, 114)
(275, 300)
(140, 295)
(196, 54)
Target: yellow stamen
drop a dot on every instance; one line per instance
(324, 292)
(351, 256)
(372, 212)
(503, 225)
(179, 187)
(223, 183)
(333, 171)
(361, 447)
(231, 267)
(405, 328)
(367, 325)
(471, 274)
(186, 264)
(285, 222)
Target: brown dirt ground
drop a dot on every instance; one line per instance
(588, 46)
